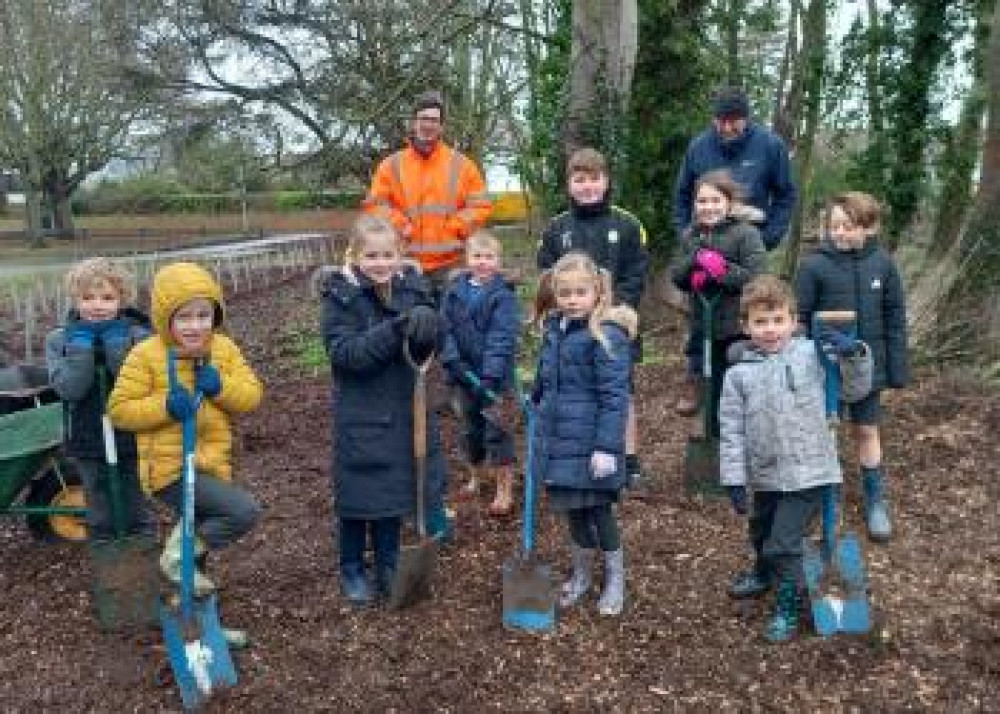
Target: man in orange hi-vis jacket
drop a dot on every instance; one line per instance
(432, 193)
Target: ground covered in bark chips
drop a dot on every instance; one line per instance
(681, 643)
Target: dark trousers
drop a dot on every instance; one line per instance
(594, 526)
(484, 441)
(135, 517)
(223, 512)
(353, 539)
(779, 520)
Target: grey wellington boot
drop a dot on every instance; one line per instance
(612, 600)
(582, 578)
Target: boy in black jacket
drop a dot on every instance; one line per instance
(615, 240)
(850, 271)
(99, 331)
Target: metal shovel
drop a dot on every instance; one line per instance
(701, 456)
(529, 594)
(835, 572)
(126, 580)
(196, 646)
(412, 582)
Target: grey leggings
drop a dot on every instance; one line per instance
(594, 526)
(222, 511)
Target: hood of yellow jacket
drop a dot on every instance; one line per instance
(178, 283)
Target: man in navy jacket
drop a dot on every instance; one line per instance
(758, 160)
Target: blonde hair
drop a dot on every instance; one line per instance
(767, 292)
(483, 240)
(862, 208)
(81, 276)
(370, 228)
(576, 262)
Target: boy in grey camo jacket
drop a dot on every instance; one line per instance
(775, 438)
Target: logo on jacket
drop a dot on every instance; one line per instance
(567, 239)
(876, 284)
(612, 236)
(747, 163)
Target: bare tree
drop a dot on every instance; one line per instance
(63, 113)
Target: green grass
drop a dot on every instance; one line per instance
(309, 350)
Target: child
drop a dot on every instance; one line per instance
(188, 345)
(582, 393)
(851, 272)
(99, 331)
(615, 240)
(374, 309)
(483, 323)
(719, 254)
(775, 439)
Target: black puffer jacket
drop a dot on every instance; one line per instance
(611, 236)
(373, 397)
(864, 280)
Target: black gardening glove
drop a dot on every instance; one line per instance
(422, 328)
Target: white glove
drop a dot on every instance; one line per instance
(603, 464)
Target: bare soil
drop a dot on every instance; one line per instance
(680, 645)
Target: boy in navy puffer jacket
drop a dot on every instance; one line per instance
(483, 324)
(582, 393)
(851, 272)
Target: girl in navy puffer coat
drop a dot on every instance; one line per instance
(582, 395)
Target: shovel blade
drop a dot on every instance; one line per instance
(412, 582)
(529, 597)
(197, 649)
(126, 582)
(701, 467)
(837, 587)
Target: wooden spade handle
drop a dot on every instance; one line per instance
(838, 317)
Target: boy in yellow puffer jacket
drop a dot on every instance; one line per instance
(187, 311)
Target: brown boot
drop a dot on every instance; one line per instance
(471, 488)
(690, 400)
(502, 505)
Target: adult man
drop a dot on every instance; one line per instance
(758, 160)
(432, 193)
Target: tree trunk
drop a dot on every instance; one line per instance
(57, 193)
(971, 308)
(33, 203)
(814, 55)
(791, 41)
(873, 96)
(732, 34)
(786, 110)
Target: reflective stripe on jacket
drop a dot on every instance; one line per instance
(442, 199)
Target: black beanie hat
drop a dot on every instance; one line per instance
(427, 100)
(730, 102)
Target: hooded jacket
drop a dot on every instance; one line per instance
(373, 461)
(613, 238)
(758, 161)
(864, 280)
(138, 401)
(772, 417)
(441, 198)
(73, 374)
(582, 392)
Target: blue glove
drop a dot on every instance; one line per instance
(207, 380)
(833, 341)
(738, 497)
(113, 332)
(180, 403)
(81, 334)
(456, 369)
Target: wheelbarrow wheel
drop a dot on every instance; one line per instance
(48, 491)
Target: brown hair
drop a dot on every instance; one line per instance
(862, 208)
(428, 100)
(723, 182)
(483, 239)
(587, 160)
(81, 275)
(767, 292)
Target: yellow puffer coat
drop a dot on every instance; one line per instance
(139, 400)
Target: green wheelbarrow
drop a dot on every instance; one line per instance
(36, 481)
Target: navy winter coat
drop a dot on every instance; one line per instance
(866, 281)
(73, 374)
(582, 390)
(611, 236)
(758, 161)
(373, 467)
(482, 329)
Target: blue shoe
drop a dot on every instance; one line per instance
(750, 584)
(441, 524)
(876, 511)
(354, 585)
(784, 623)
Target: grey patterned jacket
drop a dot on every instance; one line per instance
(774, 432)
